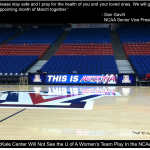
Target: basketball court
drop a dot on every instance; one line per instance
(52, 112)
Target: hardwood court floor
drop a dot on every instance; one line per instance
(74, 112)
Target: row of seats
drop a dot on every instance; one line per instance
(88, 35)
(36, 43)
(33, 36)
(86, 42)
(81, 64)
(40, 55)
(16, 64)
(11, 78)
(25, 46)
(135, 42)
(84, 53)
(85, 46)
(136, 45)
(31, 42)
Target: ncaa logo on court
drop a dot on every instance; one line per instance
(50, 100)
(37, 78)
(126, 79)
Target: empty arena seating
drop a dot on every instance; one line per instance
(39, 50)
(84, 51)
(88, 36)
(7, 33)
(82, 64)
(16, 64)
(23, 51)
(37, 36)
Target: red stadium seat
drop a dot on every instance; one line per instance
(147, 78)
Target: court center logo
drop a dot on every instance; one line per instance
(37, 78)
(126, 79)
(50, 100)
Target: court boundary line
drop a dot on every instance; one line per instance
(12, 115)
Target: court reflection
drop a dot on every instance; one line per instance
(81, 90)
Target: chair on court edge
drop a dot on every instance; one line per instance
(147, 78)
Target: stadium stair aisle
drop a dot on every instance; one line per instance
(55, 47)
(117, 46)
(36, 66)
(13, 37)
(124, 66)
(5, 34)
